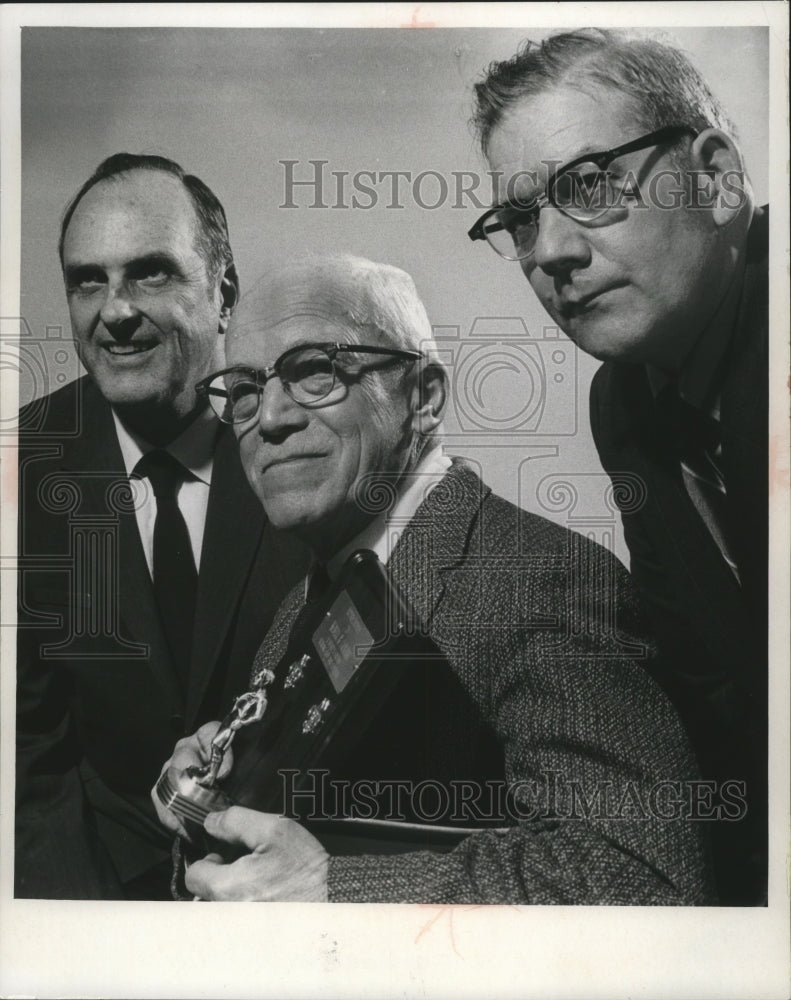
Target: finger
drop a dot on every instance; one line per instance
(198, 744)
(168, 819)
(225, 765)
(205, 735)
(200, 875)
(194, 750)
(186, 753)
(245, 827)
(213, 878)
(212, 856)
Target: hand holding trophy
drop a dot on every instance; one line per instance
(187, 790)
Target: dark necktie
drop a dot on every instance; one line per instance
(695, 440)
(692, 432)
(175, 576)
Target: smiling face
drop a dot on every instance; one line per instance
(638, 286)
(145, 315)
(307, 465)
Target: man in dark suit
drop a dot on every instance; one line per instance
(621, 191)
(148, 573)
(336, 395)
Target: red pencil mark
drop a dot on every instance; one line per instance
(414, 23)
(779, 472)
(441, 912)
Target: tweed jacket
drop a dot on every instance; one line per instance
(541, 626)
(99, 705)
(711, 630)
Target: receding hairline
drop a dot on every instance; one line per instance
(343, 289)
(126, 175)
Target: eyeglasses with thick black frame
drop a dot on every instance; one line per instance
(308, 373)
(582, 189)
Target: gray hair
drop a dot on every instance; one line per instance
(661, 82)
(366, 297)
(362, 293)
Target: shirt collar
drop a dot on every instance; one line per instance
(194, 447)
(382, 534)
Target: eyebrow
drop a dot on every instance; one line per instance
(584, 151)
(74, 271)
(590, 149)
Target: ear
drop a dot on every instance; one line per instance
(720, 183)
(428, 398)
(229, 290)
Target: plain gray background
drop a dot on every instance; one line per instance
(229, 104)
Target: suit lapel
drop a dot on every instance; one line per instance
(232, 535)
(710, 590)
(95, 459)
(744, 417)
(436, 539)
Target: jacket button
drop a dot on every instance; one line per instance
(177, 725)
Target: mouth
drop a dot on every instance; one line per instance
(290, 460)
(574, 305)
(129, 350)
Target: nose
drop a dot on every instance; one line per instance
(119, 312)
(278, 414)
(561, 244)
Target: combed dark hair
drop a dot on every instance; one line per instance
(212, 237)
(664, 86)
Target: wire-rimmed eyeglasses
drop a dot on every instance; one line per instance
(585, 189)
(308, 373)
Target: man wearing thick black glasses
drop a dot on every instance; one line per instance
(621, 192)
(335, 392)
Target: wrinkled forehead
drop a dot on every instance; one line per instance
(301, 305)
(144, 204)
(542, 132)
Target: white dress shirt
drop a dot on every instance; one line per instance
(194, 449)
(382, 534)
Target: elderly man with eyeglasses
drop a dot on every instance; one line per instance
(336, 394)
(621, 192)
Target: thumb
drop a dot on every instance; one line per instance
(242, 827)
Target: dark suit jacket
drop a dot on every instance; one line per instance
(541, 627)
(711, 631)
(99, 703)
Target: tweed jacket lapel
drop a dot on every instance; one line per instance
(225, 563)
(437, 539)
(432, 544)
(96, 462)
(271, 650)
